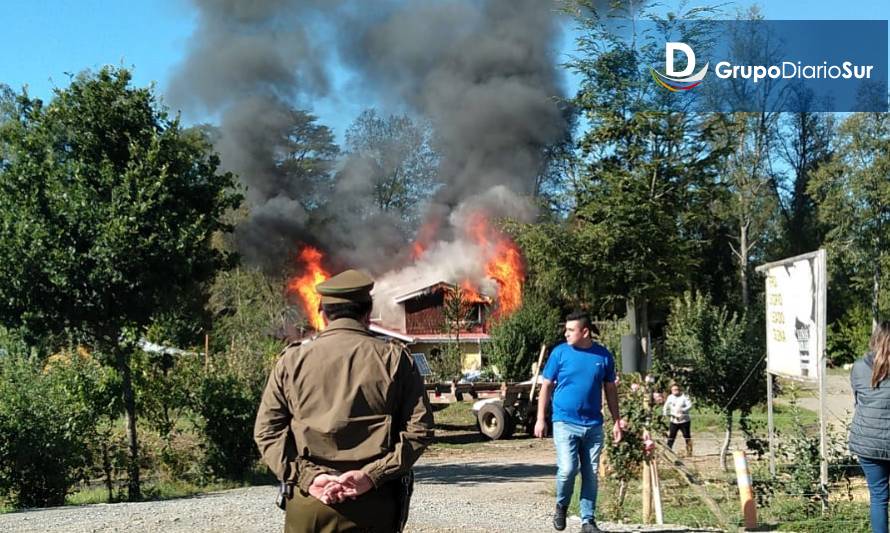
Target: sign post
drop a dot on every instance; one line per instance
(795, 334)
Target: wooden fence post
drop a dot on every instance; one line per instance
(656, 492)
(647, 493)
(746, 491)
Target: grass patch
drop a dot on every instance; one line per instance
(707, 420)
(681, 507)
(838, 371)
(457, 414)
(456, 427)
(167, 489)
(154, 490)
(846, 516)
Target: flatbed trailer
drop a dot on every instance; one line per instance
(500, 407)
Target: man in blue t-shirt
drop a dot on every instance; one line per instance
(576, 375)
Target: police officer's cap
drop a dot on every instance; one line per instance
(345, 287)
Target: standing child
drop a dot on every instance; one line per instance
(677, 406)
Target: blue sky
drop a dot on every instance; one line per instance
(43, 40)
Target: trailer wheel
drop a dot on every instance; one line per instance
(494, 422)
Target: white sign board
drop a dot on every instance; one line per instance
(795, 315)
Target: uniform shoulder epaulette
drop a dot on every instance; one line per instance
(396, 342)
(297, 344)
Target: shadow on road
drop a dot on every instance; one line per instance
(475, 473)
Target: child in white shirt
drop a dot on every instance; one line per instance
(677, 406)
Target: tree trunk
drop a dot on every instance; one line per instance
(129, 397)
(622, 492)
(725, 448)
(106, 467)
(643, 310)
(876, 294)
(743, 264)
(630, 306)
(638, 321)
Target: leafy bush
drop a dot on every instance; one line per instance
(642, 421)
(166, 385)
(848, 336)
(250, 311)
(516, 340)
(798, 476)
(48, 417)
(717, 355)
(712, 350)
(610, 333)
(228, 409)
(446, 362)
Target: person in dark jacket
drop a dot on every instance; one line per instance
(870, 431)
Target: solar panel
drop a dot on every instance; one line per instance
(423, 366)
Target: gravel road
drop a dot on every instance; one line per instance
(503, 486)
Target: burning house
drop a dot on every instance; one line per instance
(482, 74)
(429, 317)
(449, 294)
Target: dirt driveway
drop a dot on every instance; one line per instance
(481, 486)
(493, 486)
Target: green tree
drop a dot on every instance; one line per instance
(806, 144)
(560, 264)
(107, 208)
(644, 184)
(852, 192)
(396, 160)
(749, 205)
(251, 315)
(308, 153)
(717, 356)
(457, 310)
(516, 340)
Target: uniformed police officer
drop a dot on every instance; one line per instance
(343, 418)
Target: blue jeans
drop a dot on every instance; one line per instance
(577, 448)
(877, 475)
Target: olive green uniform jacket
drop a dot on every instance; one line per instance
(343, 401)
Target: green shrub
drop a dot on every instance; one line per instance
(848, 336)
(446, 362)
(228, 409)
(718, 355)
(166, 384)
(47, 424)
(516, 340)
(712, 351)
(641, 415)
(610, 333)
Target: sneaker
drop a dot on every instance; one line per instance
(590, 527)
(559, 518)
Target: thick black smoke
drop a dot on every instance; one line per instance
(484, 73)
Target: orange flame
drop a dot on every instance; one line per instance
(469, 294)
(304, 286)
(504, 265)
(507, 271)
(425, 236)
(417, 250)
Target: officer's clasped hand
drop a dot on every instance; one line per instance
(330, 489)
